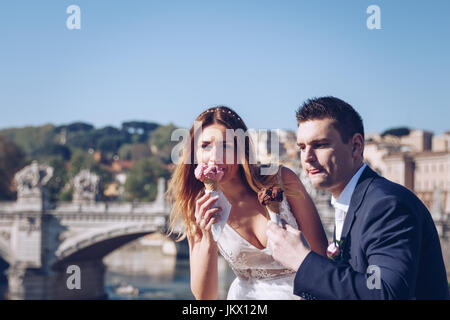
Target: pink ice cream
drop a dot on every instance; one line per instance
(210, 174)
(208, 171)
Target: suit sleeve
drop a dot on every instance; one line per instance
(390, 240)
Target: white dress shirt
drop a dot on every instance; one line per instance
(342, 204)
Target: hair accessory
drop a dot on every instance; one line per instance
(234, 115)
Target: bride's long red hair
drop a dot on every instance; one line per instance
(184, 189)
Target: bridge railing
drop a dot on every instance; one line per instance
(113, 207)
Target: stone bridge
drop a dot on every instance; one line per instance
(39, 242)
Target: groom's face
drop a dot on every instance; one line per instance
(324, 156)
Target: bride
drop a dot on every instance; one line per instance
(243, 241)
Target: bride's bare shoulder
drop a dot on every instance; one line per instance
(292, 182)
(289, 176)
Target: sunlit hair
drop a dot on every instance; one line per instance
(184, 189)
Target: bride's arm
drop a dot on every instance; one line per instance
(204, 270)
(203, 252)
(305, 213)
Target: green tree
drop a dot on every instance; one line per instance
(66, 194)
(399, 132)
(160, 142)
(80, 160)
(75, 127)
(109, 139)
(30, 139)
(82, 140)
(139, 130)
(141, 184)
(134, 151)
(109, 144)
(59, 180)
(11, 160)
(52, 150)
(126, 151)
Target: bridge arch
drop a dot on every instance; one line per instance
(96, 244)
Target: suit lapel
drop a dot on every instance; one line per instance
(358, 195)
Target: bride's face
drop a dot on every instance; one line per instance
(214, 145)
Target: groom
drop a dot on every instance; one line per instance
(387, 246)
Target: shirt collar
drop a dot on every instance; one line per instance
(343, 202)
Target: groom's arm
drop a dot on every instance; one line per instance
(390, 241)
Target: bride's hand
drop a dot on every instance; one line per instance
(204, 215)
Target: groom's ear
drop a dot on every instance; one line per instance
(357, 145)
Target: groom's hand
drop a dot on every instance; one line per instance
(287, 246)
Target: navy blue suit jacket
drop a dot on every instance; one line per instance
(386, 226)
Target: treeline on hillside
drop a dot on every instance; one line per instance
(398, 132)
(76, 146)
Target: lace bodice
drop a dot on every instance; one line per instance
(249, 262)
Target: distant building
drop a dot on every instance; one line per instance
(120, 170)
(418, 161)
(432, 172)
(376, 149)
(112, 190)
(441, 143)
(418, 140)
(399, 168)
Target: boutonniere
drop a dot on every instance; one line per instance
(334, 250)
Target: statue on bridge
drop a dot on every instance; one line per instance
(31, 180)
(86, 186)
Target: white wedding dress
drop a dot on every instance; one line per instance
(259, 276)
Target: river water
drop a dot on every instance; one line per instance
(154, 275)
(144, 272)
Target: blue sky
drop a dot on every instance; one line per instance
(166, 61)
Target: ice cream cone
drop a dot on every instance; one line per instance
(271, 198)
(274, 206)
(211, 185)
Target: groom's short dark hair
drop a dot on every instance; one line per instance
(347, 120)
